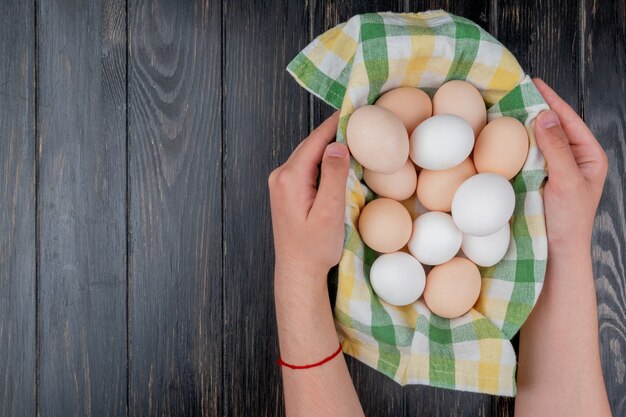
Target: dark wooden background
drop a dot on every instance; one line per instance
(135, 240)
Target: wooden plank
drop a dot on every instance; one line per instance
(265, 117)
(17, 213)
(175, 208)
(477, 11)
(82, 174)
(603, 75)
(544, 37)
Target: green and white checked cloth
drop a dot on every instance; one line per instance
(352, 65)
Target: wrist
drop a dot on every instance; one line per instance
(305, 323)
(574, 248)
(298, 279)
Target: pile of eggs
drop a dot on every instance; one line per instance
(444, 154)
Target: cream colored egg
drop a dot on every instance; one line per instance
(385, 225)
(435, 189)
(452, 288)
(501, 147)
(398, 185)
(410, 104)
(377, 139)
(462, 99)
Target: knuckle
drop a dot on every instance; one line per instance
(283, 178)
(271, 179)
(604, 161)
(278, 178)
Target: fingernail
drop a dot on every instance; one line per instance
(548, 119)
(337, 150)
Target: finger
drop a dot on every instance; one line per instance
(295, 151)
(574, 127)
(555, 147)
(587, 151)
(330, 201)
(309, 153)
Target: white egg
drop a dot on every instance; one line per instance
(441, 142)
(435, 238)
(483, 204)
(487, 250)
(397, 278)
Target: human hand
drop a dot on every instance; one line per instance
(560, 369)
(577, 168)
(307, 220)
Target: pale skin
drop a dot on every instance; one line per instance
(560, 372)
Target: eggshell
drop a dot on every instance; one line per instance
(452, 288)
(398, 185)
(377, 139)
(501, 147)
(441, 142)
(410, 104)
(435, 238)
(483, 204)
(385, 225)
(462, 99)
(487, 250)
(435, 189)
(397, 278)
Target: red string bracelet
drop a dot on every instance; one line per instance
(313, 365)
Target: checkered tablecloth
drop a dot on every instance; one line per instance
(352, 65)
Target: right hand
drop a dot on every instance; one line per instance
(577, 168)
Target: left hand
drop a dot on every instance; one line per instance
(307, 221)
(577, 168)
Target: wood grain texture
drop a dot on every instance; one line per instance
(544, 37)
(81, 108)
(603, 80)
(202, 334)
(17, 210)
(265, 116)
(477, 11)
(175, 208)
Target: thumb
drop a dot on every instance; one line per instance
(555, 146)
(330, 202)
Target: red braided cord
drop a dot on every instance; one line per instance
(313, 365)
